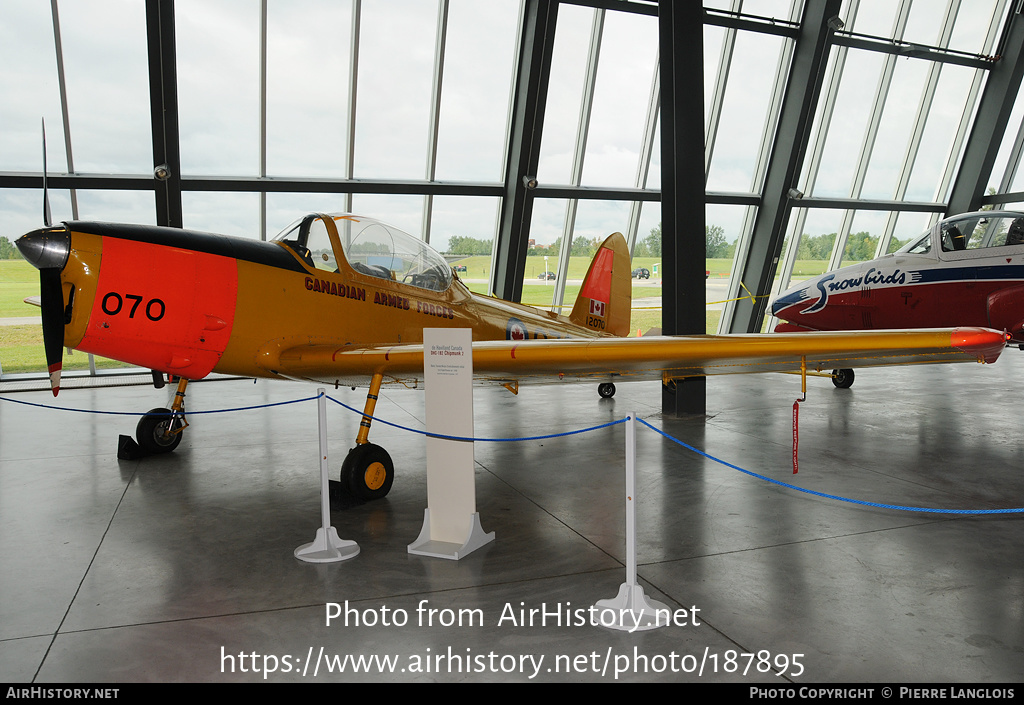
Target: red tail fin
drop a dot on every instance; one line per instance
(606, 296)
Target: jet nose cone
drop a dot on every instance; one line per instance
(46, 248)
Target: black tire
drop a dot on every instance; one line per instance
(843, 379)
(606, 390)
(152, 429)
(368, 472)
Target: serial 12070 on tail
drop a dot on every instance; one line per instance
(343, 300)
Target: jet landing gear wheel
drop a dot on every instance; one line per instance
(606, 390)
(368, 472)
(843, 379)
(153, 431)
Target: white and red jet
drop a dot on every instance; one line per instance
(967, 270)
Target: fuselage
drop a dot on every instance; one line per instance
(967, 270)
(191, 303)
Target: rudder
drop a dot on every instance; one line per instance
(604, 301)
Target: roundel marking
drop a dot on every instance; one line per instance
(515, 330)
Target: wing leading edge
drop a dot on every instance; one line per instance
(653, 357)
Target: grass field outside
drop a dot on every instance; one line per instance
(18, 279)
(478, 266)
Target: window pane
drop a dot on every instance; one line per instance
(874, 17)
(396, 65)
(565, 92)
(117, 206)
(480, 57)
(621, 96)
(895, 128)
(944, 117)
(224, 213)
(470, 217)
(307, 88)
(218, 86)
(106, 66)
(849, 120)
(748, 98)
(404, 212)
(26, 42)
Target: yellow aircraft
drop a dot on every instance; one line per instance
(343, 300)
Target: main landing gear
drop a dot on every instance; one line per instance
(843, 379)
(368, 472)
(606, 390)
(160, 430)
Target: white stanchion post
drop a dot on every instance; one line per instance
(632, 610)
(326, 547)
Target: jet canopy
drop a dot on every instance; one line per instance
(971, 231)
(369, 247)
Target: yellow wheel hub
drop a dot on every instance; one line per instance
(375, 475)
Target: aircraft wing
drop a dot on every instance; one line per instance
(653, 357)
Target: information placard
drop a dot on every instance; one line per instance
(451, 525)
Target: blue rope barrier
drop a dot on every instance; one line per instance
(146, 413)
(474, 439)
(831, 496)
(898, 507)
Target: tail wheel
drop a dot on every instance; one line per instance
(843, 379)
(606, 390)
(154, 431)
(368, 472)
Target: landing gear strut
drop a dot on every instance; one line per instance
(368, 472)
(160, 430)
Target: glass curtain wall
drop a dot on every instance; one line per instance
(400, 109)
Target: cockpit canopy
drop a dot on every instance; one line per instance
(972, 231)
(369, 247)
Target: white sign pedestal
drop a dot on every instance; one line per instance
(451, 524)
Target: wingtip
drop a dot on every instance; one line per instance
(988, 343)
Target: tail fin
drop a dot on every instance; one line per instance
(604, 301)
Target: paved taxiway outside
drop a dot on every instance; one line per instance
(145, 570)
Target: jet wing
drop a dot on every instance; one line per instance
(653, 357)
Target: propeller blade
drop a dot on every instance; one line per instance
(46, 198)
(52, 299)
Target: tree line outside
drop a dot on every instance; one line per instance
(859, 246)
(8, 250)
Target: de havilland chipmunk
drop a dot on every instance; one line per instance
(966, 270)
(343, 300)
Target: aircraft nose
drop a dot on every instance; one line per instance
(46, 248)
(788, 305)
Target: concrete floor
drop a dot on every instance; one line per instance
(155, 570)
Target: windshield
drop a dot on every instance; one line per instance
(919, 245)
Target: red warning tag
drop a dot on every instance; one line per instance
(796, 434)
